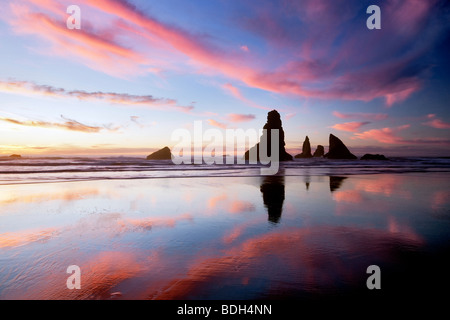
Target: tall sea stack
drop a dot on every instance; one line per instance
(306, 150)
(273, 122)
(338, 150)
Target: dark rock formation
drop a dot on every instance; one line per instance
(272, 189)
(369, 156)
(338, 150)
(320, 151)
(273, 122)
(15, 156)
(306, 150)
(162, 154)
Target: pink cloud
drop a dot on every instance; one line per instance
(245, 48)
(319, 70)
(361, 115)
(390, 136)
(96, 49)
(401, 95)
(385, 135)
(217, 124)
(349, 126)
(234, 117)
(436, 123)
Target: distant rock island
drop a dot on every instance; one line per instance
(320, 151)
(369, 156)
(161, 154)
(306, 150)
(273, 122)
(338, 150)
(15, 156)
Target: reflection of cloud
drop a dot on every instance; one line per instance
(317, 252)
(148, 223)
(384, 184)
(99, 275)
(106, 224)
(439, 199)
(25, 237)
(237, 231)
(239, 206)
(402, 229)
(214, 201)
(352, 196)
(67, 196)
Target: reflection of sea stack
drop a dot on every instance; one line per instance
(272, 189)
(320, 151)
(338, 150)
(162, 154)
(273, 122)
(306, 150)
(336, 182)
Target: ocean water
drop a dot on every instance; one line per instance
(152, 230)
(56, 169)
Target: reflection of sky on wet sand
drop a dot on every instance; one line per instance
(213, 238)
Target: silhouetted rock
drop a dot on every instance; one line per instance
(15, 156)
(338, 150)
(320, 151)
(162, 154)
(272, 189)
(369, 156)
(336, 182)
(306, 149)
(273, 122)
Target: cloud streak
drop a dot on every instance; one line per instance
(148, 101)
(349, 126)
(234, 117)
(68, 124)
(361, 115)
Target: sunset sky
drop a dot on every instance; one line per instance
(138, 70)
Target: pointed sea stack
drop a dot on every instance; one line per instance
(162, 154)
(338, 150)
(306, 150)
(320, 151)
(273, 122)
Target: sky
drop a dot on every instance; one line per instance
(138, 70)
